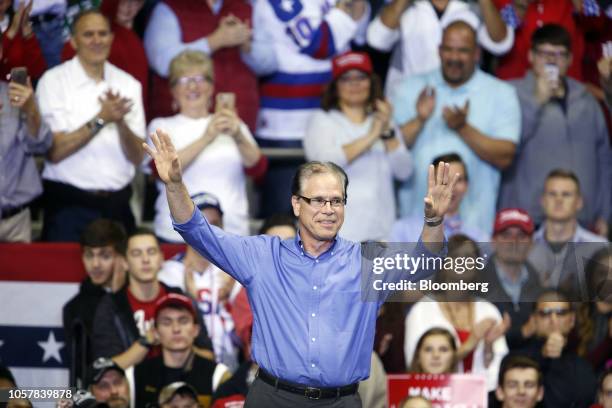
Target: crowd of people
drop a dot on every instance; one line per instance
(515, 96)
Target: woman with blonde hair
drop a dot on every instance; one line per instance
(216, 150)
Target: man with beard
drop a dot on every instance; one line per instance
(108, 384)
(458, 108)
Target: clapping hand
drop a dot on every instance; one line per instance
(114, 107)
(232, 32)
(426, 103)
(456, 117)
(440, 189)
(21, 21)
(498, 330)
(165, 157)
(382, 116)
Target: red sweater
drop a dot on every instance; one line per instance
(540, 12)
(22, 52)
(231, 74)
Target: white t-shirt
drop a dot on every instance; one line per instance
(218, 320)
(68, 98)
(218, 170)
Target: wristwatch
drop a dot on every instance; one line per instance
(388, 134)
(96, 124)
(143, 341)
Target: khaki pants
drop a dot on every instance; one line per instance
(17, 228)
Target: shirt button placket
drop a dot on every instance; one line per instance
(313, 327)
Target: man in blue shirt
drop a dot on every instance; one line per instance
(458, 108)
(312, 333)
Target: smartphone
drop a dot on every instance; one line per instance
(552, 72)
(19, 75)
(225, 100)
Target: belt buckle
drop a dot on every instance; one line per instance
(313, 393)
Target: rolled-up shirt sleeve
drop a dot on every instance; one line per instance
(262, 56)
(380, 36)
(162, 40)
(496, 47)
(38, 143)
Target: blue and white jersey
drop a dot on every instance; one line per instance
(306, 35)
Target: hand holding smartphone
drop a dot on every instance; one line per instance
(225, 100)
(552, 75)
(19, 75)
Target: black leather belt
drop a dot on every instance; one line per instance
(307, 392)
(9, 212)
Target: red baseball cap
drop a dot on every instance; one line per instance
(351, 60)
(513, 217)
(175, 300)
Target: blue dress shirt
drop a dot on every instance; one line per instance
(310, 325)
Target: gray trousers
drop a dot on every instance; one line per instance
(263, 395)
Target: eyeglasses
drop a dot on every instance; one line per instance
(557, 55)
(196, 79)
(320, 202)
(549, 312)
(346, 79)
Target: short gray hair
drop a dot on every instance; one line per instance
(307, 170)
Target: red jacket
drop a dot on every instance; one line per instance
(22, 52)
(540, 12)
(231, 74)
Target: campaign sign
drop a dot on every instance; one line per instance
(443, 390)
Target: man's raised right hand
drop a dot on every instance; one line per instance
(166, 159)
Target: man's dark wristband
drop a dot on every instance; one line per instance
(143, 341)
(433, 222)
(388, 134)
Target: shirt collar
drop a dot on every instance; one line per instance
(78, 74)
(468, 87)
(504, 278)
(540, 234)
(300, 247)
